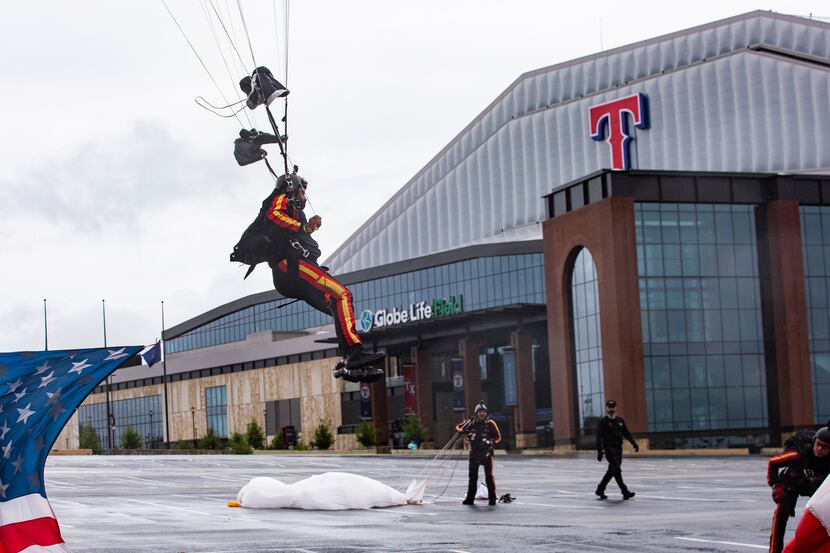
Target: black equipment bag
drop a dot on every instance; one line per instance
(247, 148)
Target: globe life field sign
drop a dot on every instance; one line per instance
(418, 311)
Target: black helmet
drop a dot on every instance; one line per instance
(823, 434)
(289, 183)
(480, 406)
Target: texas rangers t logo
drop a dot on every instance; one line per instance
(612, 115)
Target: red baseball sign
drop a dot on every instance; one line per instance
(613, 116)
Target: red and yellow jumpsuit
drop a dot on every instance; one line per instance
(299, 276)
(796, 474)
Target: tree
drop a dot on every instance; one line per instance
(413, 429)
(254, 435)
(365, 434)
(130, 439)
(89, 439)
(239, 444)
(276, 441)
(211, 439)
(323, 437)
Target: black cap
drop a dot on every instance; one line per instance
(610, 403)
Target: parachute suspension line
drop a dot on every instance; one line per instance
(436, 469)
(247, 35)
(271, 170)
(204, 104)
(280, 143)
(231, 40)
(264, 102)
(189, 43)
(221, 50)
(428, 471)
(285, 113)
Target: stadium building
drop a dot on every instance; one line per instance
(649, 224)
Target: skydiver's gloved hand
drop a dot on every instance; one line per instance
(778, 493)
(313, 224)
(599, 456)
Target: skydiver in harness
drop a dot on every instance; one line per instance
(281, 236)
(293, 256)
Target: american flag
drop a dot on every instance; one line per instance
(39, 391)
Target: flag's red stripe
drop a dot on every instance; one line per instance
(18, 536)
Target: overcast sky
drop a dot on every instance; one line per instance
(115, 185)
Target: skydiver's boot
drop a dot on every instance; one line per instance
(360, 365)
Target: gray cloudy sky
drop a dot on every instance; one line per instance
(114, 184)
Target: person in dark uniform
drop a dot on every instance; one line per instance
(798, 470)
(484, 434)
(293, 255)
(610, 432)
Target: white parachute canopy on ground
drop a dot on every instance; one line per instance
(329, 491)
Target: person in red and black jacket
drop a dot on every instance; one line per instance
(484, 434)
(798, 470)
(297, 273)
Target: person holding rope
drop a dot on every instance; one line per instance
(483, 434)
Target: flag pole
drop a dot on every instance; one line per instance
(164, 380)
(109, 409)
(45, 328)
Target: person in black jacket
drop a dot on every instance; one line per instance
(798, 470)
(293, 255)
(484, 434)
(610, 432)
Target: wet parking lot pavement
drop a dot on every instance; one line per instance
(137, 504)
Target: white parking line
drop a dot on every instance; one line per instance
(726, 543)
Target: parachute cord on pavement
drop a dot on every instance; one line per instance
(437, 468)
(189, 43)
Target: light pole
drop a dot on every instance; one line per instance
(193, 419)
(150, 446)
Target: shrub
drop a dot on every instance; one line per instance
(413, 429)
(210, 440)
(130, 439)
(254, 435)
(239, 444)
(89, 439)
(276, 441)
(365, 434)
(182, 444)
(323, 437)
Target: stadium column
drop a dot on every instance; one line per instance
(423, 389)
(380, 415)
(784, 305)
(606, 228)
(468, 350)
(526, 394)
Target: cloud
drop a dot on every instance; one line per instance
(111, 182)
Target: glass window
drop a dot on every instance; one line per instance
(587, 342)
(216, 410)
(815, 237)
(699, 299)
